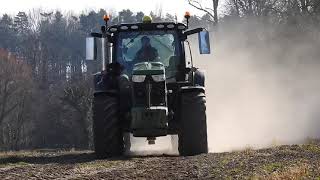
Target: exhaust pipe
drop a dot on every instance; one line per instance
(106, 53)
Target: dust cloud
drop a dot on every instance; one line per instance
(262, 86)
(167, 145)
(263, 89)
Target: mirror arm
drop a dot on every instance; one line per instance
(99, 35)
(193, 31)
(96, 35)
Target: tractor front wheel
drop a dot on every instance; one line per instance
(193, 124)
(107, 134)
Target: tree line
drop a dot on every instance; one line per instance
(45, 82)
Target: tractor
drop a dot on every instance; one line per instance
(148, 86)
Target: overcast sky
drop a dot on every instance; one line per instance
(171, 6)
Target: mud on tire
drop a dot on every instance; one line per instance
(193, 125)
(107, 134)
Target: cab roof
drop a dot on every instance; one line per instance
(147, 27)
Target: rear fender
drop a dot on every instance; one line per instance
(105, 83)
(187, 89)
(182, 92)
(199, 78)
(112, 93)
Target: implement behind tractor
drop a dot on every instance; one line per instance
(148, 87)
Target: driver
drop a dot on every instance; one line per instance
(146, 52)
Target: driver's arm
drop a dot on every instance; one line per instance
(155, 54)
(137, 56)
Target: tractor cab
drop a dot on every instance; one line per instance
(149, 43)
(163, 42)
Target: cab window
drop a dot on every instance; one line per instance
(145, 46)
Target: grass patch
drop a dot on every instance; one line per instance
(314, 148)
(296, 172)
(17, 164)
(225, 161)
(272, 167)
(20, 154)
(234, 171)
(99, 164)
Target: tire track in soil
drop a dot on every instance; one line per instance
(302, 161)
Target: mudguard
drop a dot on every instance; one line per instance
(107, 81)
(185, 89)
(199, 78)
(105, 84)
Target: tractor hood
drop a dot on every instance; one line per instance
(148, 68)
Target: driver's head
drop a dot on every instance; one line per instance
(145, 41)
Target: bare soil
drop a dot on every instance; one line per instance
(282, 162)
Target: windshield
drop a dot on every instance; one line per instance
(149, 46)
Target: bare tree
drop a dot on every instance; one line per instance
(212, 12)
(255, 7)
(12, 74)
(78, 96)
(15, 87)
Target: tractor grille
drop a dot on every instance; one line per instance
(158, 94)
(149, 93)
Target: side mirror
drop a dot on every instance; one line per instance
(204, 42)
(91, 48)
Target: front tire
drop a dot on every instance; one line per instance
(107, 134)
(193, 124)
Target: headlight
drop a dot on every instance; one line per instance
(138, 78)
(158, 78)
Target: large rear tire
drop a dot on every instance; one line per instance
(193, 124)
(107, 133)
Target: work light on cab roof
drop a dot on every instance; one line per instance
(146, 19)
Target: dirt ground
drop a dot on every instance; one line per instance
(282, 162)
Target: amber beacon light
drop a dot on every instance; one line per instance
(106, 17)
(187, 15)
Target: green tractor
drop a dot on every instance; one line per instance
(148, 86)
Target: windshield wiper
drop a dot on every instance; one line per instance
(163, 44)
(132, 39)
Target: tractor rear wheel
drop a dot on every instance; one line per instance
(107, 134)
(193, 124)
